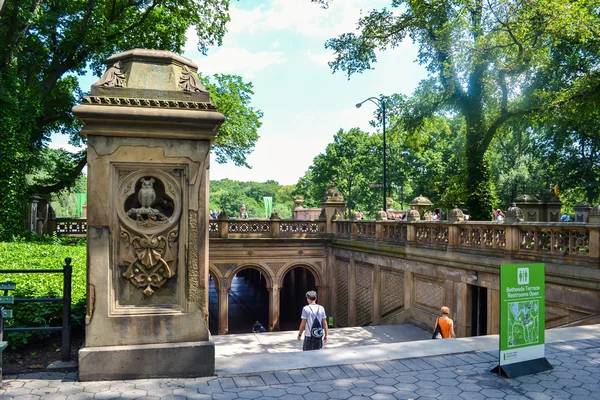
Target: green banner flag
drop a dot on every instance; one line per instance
(81, 199)
(268, 205)
(522, 319)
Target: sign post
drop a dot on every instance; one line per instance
(522, 324)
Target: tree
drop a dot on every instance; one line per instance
(44, 45)
(354, 160)
(489, 61)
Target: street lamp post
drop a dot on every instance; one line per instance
(380, 103)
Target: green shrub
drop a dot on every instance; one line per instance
(43, 253)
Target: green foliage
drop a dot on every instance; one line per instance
(490, 62)
(228, 195)
(44, 45)
(43, 253)
(239, 132)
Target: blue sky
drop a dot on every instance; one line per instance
(278, 45)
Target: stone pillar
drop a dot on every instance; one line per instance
(274, 308)
(223, 310)
(33, 214)
(376, 294)
(149, 124)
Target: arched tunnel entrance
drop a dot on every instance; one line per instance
(296, 283)
(248, 301)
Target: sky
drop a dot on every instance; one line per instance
(278, 45)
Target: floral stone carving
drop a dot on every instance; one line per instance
(149, 228)
(113, 77)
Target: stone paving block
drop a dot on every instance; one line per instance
(316, 396)
(321, 388)
(268, 379)
(387, 367)
(382, 396)
(362, 391)
(249, 394)
(108, 394)
(199, 396)
(406, 378)
(399, 366)
(364, 383)
(274, 392)
(79, 396)
(557, 393)
(337, 372)
(173, 397)
(577, 391)
(160, 392)
(241, 381)
(224, 396)
(492, 393)
(291, 397)
(297, 376)
(385, 389)
(471, 396)
(375, 369)
(538, 395)
(339, 394)
(21, 391)
(411, 365)
(323, 373)
(256, 380)
(350, 371)
(426, 384)
(385, 381)
(405, 395)
(226, 382)
(310, 375)
(283, 377)
(147, 384)
(172, 384)
(297, 390)
(469, 387)
(362, 369)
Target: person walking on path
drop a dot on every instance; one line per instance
(313, 338)
(446, 324)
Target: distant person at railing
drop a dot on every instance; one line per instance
(498, 215)
(258, 327)
(565, 217)
(436, 215)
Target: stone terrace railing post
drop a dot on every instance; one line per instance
(275, 228)
(379, 231)
(594, 241)
(354, 227)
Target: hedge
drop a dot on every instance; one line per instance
(43, 253)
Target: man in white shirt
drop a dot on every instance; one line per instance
(313, 338)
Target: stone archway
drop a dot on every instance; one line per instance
(295, 281)
(249, 293)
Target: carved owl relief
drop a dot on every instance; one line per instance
(147, 195)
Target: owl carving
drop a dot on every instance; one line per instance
(146, 194)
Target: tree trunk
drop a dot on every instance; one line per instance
(479, 182)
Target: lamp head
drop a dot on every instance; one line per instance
(358, 105)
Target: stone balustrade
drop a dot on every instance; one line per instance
(572, 242)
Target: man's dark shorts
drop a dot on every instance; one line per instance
(311, 343)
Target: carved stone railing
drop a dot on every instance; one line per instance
(265, 228)
(71, 226)
(571, 239)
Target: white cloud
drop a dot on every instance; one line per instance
(276, 44)
(239, 61)
(320, 59)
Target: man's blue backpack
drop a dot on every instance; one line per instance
(316, 329)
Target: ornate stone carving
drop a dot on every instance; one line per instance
(392, 292)
(151, 103)
(113, 77)
(342, 292)
(332, 194)
(149, 228)
(364, 295)
(189, 82)
(429, 294)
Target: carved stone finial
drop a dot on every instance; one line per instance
(223, 215)
(332, 193)
(355, 216)
(274, 215)
(113, 77)
(456, 215)
(413, 215)
(336, 215)
(514, 214)
(189, 81)
(381, 216)
(594, 217)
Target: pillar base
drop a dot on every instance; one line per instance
(164, 360)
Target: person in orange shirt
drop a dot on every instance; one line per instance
(446, 324)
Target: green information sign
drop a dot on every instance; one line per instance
(522, 325)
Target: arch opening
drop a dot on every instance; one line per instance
(248, 301)
(292, 298)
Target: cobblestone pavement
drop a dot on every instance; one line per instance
(576, 375)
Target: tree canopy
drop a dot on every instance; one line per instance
(491, 62)
(45, 45)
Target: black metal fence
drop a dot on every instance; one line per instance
(67, 272)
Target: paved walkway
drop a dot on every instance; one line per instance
(574, 353)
